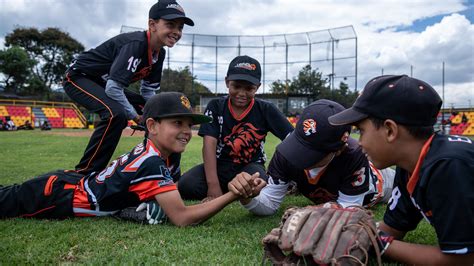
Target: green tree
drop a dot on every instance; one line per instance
(15, 65)
(35, 87)
(51, 48)
(179, 80)
(341, 95)
(308, 81)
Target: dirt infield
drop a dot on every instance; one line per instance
(127, 132)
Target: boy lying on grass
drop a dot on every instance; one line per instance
(143, 175)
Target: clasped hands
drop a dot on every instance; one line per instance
(245, 185)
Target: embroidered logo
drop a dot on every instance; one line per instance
(175, 6)
(185, 102)
(247, 66)
(309, 127)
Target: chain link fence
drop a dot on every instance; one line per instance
(331, 51)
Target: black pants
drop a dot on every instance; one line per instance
(46, 196)
(192, 185)
(90, 93)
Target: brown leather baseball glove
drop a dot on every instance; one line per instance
(323, 234)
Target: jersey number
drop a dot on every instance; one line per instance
(460, 139)
(133, 63)
(396, 194)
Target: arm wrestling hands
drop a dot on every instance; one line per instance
(246, 186)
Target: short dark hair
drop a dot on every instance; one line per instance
(418, 132)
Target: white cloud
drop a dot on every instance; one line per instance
(380, 45)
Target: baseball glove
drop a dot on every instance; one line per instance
(323, 234)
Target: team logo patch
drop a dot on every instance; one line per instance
(165, 172)
(247, 66)
(175, 6)
(185, 102)
(163, 183)
(309, 127)
(245, 141)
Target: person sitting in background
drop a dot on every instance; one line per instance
(26, 126)
(9, 125)
(45, 125)
(464, 119)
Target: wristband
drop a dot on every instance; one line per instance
(384, 240)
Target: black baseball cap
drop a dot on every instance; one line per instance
(172, 104)
(246, 68)
(169, 10)
(313, 137)
(405, 100)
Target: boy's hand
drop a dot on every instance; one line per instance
(137, 119)
(246, 185)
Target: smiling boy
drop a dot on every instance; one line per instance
(434, 176)
(144, 174)
(234, 141)
(97, 79)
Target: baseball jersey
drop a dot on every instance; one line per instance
(349, 174)
(441, 190)
(132, 178)
(125, 58)
(241, 139)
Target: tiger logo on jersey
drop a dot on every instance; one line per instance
(309, 126)
(185, 102)
(244, 142)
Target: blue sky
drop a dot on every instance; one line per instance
(420, 25)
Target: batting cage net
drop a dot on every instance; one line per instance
(333, 52)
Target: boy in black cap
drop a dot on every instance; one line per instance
(233, 142)
(434, 176)
(324, 162)
(145, 174)
(97, 79)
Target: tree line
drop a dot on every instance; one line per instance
(34, 61)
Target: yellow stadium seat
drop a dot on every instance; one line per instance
(456, 119)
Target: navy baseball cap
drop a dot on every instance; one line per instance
(172, 104)
(403, 99)
(169, 10)
(245, 68)
(313, 137)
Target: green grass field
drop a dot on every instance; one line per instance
(231, 237)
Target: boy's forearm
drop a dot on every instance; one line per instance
(210, 163)
(409, 253)
(200, 212)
